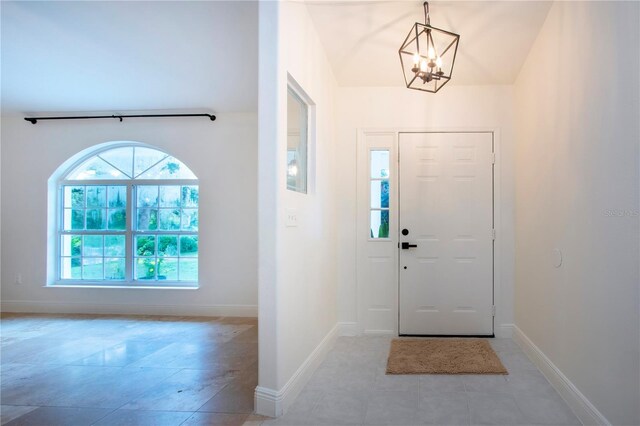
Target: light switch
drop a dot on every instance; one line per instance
(291, 219)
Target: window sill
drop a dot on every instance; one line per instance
(190, 286)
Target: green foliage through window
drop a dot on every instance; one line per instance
(118, 230)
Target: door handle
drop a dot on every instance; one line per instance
(406, 246)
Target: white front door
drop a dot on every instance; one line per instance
(446, 227)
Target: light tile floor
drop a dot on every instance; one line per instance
(351, 387)
(114, 370)
(120, 370)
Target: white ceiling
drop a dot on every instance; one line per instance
(362, 38)
(118, 56)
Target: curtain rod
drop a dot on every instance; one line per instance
(34, 120)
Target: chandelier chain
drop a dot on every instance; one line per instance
(427, 20)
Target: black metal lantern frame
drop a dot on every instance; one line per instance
(428, 55)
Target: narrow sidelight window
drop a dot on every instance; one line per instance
(379, 193)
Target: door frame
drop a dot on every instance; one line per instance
(362, 222)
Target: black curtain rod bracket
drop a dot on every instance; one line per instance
(34, 120)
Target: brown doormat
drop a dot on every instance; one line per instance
(443, 356)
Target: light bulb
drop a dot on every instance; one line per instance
(432, 53)
(423, 65)
(439, 62)
(416, 59)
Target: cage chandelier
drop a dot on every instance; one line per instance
(427, 55)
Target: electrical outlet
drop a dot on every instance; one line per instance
(18, 279)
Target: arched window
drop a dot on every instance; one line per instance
(128, 215)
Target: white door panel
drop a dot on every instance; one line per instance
(377, 272)
(446, 204)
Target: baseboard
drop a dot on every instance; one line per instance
(380, 332)
(267, 402)
(581, 406)
(504, 331)
(32, 306)
(348, 329)
(274, 403)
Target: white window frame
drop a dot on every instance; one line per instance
(130, 232)
(294, 87)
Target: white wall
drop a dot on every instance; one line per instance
(297, 264)
(223, 154)
(577, 161)
(457, 107)
(307, 285)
